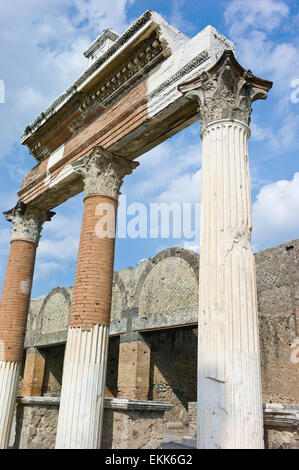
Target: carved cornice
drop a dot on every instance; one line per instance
(144, 58)
(69, 112)
(122, 78)
(188, 68)
(226, 91)
(27, 222)
(145, 18)
(103, 172)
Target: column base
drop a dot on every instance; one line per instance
(9, 376)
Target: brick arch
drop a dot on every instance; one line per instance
(120, 284)
(189, 256)
(58, 290)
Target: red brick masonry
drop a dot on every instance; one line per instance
(34, 373)
(91, 302)
(15, 298)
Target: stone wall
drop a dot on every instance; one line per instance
(53, 371)
(174, 370)
(281, 426)
(127, 424)
(162, 293)
(278, 305)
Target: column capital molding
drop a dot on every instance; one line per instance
(226, 91)
(27, 221)
(103, 172)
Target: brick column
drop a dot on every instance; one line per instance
(33, 373)
(133, 379)
(26, 228)
(133, 369)
(84, 371)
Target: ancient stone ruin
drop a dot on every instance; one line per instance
(167, 350)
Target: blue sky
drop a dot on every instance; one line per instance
(41, 54)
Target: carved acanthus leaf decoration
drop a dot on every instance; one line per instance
(103, 172)
(226, 91)
(27, 221)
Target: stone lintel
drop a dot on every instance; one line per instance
(140, 324)
(47, 340)
(104, 54)
(111, 403)
(281, 415)
(154, 111)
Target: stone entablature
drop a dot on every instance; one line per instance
(104, 108)
(148, 41)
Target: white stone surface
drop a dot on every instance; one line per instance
(173, 72)
(83, 388)
(63, 177)
(229, 382)
(55, 157)
(100, 45)
(9, 375)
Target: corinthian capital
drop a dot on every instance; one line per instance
(27, 221)
(103, 173)
(226, 91)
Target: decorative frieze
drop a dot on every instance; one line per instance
(27, 222)
(103, 172)
(226, 91)
(126, 74)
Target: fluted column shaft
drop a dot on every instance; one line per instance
(84, 372)
(229, 378)
(229, 381)
(14, 305)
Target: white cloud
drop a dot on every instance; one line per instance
(185, 188)
(43, 269)
(252, 26)
(64, 249)
(192, 246)
(4, 241)
(165, 168)
(264, 14)
(178, 19)
(275, 213)
(60, 237)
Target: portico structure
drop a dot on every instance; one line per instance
(139, 89)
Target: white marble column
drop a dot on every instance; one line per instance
(82, 398)
(230, 414)
(84, 371)
(9, 376)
